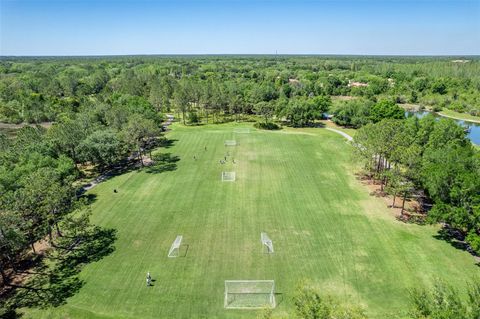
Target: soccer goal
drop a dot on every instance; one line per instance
(228, 176)
(242, 130)
(267, 242)
(175, 248)
(230, 143)
(249, 294)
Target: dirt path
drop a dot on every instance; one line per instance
(11, 126)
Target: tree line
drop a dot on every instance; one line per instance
(414, 156)
(41, 175)
(212, 89)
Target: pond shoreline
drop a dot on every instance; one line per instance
(415, 108)
(456, 118)
(472, 128)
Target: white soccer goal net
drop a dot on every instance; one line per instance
(242, 130)
(230, 143)
(175, 248)
(228, 176)
(267, 242)
(249, 294)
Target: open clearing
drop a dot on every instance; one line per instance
(298, 188)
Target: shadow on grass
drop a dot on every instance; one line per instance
(167, 143)
(278, 298)
(300, 125)
(163, 162)
(89, 198)
(456, 239)
(185, 250)
(131, 164)
(56, 278)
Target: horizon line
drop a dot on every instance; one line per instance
(234, 54)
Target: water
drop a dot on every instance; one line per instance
(473, 128)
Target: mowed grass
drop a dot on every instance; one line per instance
(296, 185)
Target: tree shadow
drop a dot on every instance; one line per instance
(456, 239)
(167, 143)
(89, 198)
(9, 314)
(56, 278)
(163, 162)
(131, 164)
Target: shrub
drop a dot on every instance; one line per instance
(310, 304)
(193, 118)
(267, 126)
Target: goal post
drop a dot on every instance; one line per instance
(230, 143)
(249, 294)
(267, 242)
(228, 176)
(175, 248)
(244, 130)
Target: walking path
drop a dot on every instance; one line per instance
(348, 137)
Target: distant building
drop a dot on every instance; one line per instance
(356, 84)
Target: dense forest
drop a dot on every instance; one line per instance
(105, 114)
(42, 89)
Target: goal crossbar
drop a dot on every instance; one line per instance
(230, 142)
(266, 241)
(241, 130)
(228, 176)
(175, 248)
(249, 294)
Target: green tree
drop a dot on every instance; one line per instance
(102, 147)
(444, 302)
(386, 109)
(139, 134)
(181, 100)
(66, 135)
(265, 109)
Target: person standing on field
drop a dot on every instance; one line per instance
(149, 279)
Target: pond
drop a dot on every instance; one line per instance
(473, 128)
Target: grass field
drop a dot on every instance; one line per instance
(296, 185)
(459, 116)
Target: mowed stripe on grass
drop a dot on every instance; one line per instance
(296, 185)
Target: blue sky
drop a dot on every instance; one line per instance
(98, 27)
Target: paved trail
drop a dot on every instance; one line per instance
(348, 137)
